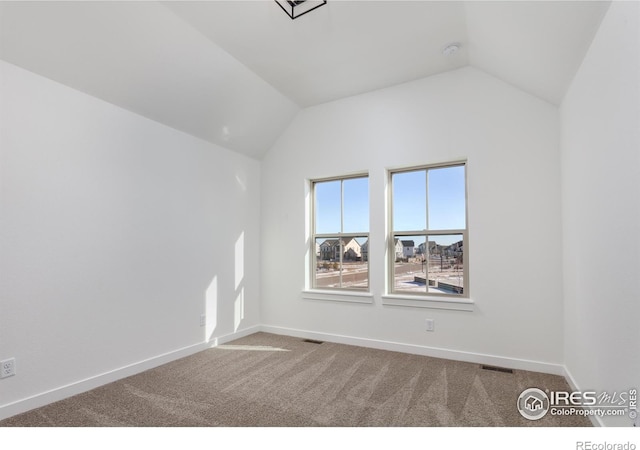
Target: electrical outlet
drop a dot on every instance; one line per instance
(203, 320)
(430, 325)
(7, 368)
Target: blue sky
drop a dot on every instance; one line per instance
(446, 202)
(446, 199)
(356, 206)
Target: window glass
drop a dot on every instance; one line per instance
(356, 205)
(409, 201)
(446, 198)
(328, 206)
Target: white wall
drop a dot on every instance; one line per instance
(116, 234)
(600, 118)
(511, 142)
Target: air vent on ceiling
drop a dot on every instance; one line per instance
(497, 369)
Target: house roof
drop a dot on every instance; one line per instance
(334, 242)
(235, 73)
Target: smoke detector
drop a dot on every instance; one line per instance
(451, 49)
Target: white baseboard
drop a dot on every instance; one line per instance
(595, 420)
(478, 358)
(232, 336)
(69, 390)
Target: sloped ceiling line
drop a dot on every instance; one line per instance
(235, 73)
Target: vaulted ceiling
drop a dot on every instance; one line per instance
(236, 72)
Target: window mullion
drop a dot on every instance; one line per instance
(348, 235)
(341, 252)
(426, 199)
(426, 262)
(341, 227)
(426, 227)
(341, 206)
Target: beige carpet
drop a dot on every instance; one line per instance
(270, 380)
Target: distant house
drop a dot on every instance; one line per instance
(330, 250)
(398, 248)
(408, 249)
(364, 248)
(352, 249)
(455, 250)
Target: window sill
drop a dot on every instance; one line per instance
(428, 302)
(338, 296)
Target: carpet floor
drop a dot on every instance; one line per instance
(266, 380)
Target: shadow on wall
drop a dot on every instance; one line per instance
(216, 314)
(212, 295)
(211, 308)
(238, 310)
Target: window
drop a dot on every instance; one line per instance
(428, 240)
(340, 235)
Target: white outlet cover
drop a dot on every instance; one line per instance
(7, 368)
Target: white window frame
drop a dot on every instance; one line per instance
(339, 236)
(427, 299)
